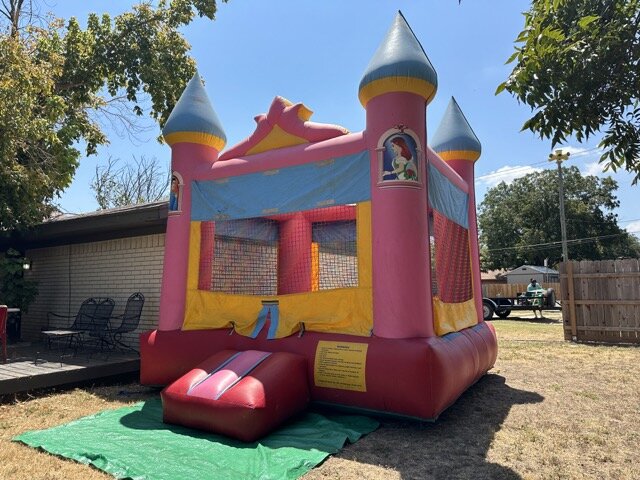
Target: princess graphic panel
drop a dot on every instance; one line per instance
(175, 193)
(400, 158)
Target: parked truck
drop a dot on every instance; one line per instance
(541, 299)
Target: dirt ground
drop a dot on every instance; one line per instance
(549, 409)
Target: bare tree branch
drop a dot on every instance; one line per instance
(23, 13)
(143, 181)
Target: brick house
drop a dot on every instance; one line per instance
(110, 253)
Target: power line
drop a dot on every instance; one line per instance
(506, 171)
(523, 168)
(584, 152)
(576, 241)
(617, 221)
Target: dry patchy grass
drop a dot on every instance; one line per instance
(548, 410)
(18, 462)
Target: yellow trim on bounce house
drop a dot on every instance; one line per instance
(212, 310)
(470, 155)
(345, 310)
(453, 317)
(276, 138)
(304, 113)
(315, 267)
(426, 90)
(195, 137)
(364, 246)
(193, 266)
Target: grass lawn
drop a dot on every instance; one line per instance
(547, 410)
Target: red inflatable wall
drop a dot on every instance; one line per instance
(418, 377)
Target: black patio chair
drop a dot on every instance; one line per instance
(81, 320)
(92, 319)
(129, 320)
(99, 329)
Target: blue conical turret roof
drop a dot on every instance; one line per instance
(399, 65)
(454, 138)
(193, 119)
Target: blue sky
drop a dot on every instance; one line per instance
(315, 52)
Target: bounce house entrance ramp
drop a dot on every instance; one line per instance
(241, 394)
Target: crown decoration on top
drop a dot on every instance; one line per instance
(193, 119)
(399, 65)
(284, 125)
(454, 139)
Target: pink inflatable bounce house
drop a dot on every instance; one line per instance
(311, 263)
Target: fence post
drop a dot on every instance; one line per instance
(572, 301)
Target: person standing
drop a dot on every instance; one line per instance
(535, 290)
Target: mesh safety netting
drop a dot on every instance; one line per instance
(293, 253)
(452, 261)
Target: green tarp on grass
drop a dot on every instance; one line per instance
(133, 442)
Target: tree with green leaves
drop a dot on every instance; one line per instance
(520, 222)
(15, 289)
(60, 82)
(577, 67)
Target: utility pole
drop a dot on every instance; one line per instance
(559, 157)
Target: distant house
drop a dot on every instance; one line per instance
(525, 273)
(492, 277)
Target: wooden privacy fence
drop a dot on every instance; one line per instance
(507, 290)
(601, 300)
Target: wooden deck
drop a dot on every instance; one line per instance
(34, 366)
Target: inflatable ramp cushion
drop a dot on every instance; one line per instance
(243, 395)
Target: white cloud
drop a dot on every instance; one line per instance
(634, 227)
(592, 168)
(597, 169)
(505, 174)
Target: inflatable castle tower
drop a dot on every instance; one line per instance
(355, 252)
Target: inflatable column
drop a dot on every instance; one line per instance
(457, 144)
(395, 88)
(196, 137)
(294, 255)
